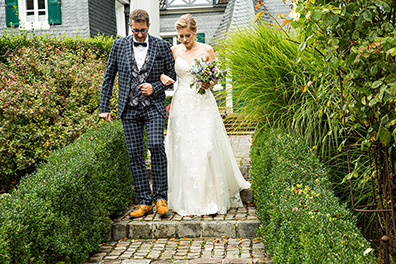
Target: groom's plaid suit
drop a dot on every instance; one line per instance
(159, 60)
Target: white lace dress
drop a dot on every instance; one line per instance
(203, 176)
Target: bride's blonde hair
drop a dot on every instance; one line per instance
(186, 21)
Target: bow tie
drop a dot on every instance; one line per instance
(136, 44)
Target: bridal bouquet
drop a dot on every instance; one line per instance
(205, 71)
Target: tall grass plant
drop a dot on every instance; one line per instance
(278, 86)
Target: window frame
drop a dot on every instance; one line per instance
(36, 24)
(188, 3)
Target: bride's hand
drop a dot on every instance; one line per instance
(166, 80)
(207, 85)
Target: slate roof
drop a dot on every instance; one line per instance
(240, 14)
(215, 25)
(277, 6)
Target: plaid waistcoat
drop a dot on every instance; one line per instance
(138, 77)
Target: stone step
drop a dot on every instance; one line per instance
(238, 222)
(239, 124)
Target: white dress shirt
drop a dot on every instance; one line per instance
(140, 53)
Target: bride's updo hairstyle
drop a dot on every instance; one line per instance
(186, 21)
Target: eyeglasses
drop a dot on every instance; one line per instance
(137, 31)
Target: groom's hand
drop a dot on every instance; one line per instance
(105, 116)
(147, 89)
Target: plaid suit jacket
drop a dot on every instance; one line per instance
(160, 60)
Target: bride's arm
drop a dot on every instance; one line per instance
(209, 52)
(165, 79)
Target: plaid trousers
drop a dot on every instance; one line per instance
(134, 119)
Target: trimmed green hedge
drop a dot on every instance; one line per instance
(10, 41)
(62, 212)
(49, 94)
(301, 219)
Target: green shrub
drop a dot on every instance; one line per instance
(62, 211)
(11, 41)
(301, 219)
(49, 94)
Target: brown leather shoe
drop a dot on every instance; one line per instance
(162, 207)
(142, 210)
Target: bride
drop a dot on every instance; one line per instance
(203, 176)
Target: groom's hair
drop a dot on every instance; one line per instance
(139, 15)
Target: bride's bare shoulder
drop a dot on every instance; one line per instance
(207, 47)
(209, 52)
(175, 50)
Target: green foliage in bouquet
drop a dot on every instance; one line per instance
(301, 219)
(49, 94)
(61, 213)
(206, 71)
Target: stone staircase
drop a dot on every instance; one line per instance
(238, 222)
(239, 124)
(228, 238)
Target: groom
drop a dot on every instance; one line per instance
(140, 60)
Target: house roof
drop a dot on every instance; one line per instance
(241, 13)
(238, 14)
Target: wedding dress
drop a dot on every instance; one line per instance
(203, 176)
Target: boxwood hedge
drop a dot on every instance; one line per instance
(302, 221)
(49, 94)
(62, 212)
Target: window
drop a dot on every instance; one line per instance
(171, 39)
(35, 11)
(33, 14)
(190, 3)
(122, 17)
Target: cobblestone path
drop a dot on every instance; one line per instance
(183, 250)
